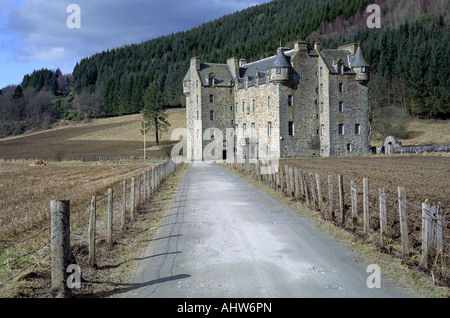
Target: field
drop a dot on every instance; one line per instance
(117, 137)
(424, 176)
(26, 190)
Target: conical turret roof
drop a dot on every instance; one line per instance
(359, 60)
(281, 60)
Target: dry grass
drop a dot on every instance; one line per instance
(424, 132)
(131, 131)
(115, 137)
(26, 190)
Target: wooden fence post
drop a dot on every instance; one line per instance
(403, 219)
(305, 184)
(91, 232)
(341, 197)
(313, 188)
(426, 223)
(60, 247)
(149, 184)
(330, 197)
(354, 196)
(291, 182)
(132, 199)
(439, 234)
(319, 192)
(296, 191)
(109, 233)
(383, 220)
(302, 187)
(124, 206)
(366, 215)
(144, 186)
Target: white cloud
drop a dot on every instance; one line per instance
(42, 35)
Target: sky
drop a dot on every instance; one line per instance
(36, 34)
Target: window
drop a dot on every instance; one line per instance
(211, 98)
(236, 108)
(244, 129)
(357, 129)
(349, 147)
(290, 102)
(341, 87)
(269, 129)
(291, 128)
(268, 101)
(341, 129)
(340, 68)
(211, 115)
(197, 99)
(321, 88)
(198, 115)
(248, 110)
(363, 69)
(322, 130)
(253, 130)
(278, 70)
(320, 71)
(341, 106)
(243, 106)
(253, 104)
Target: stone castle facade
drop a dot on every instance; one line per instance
(299, 103)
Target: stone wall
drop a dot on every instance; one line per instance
(304, 111)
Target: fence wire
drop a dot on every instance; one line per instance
(390, 241)
(79, 227)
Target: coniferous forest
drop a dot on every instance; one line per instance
(409, 60)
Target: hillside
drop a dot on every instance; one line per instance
(114, 138)
(406, 57)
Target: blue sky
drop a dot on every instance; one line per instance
(34, 33)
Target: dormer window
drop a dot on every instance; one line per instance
(363, 69)
(211, 80)
(340, 67)
(278, 70)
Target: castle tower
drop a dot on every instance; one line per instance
(361, 67)
(281, 71)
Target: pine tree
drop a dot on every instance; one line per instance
(18, 93)
(154, 112)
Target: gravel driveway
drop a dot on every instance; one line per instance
(225, 238)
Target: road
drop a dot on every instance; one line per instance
(225, 238)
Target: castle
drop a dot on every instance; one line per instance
(299, 103)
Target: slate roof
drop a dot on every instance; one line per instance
(257, 70)
(332, 57)
(358, 59)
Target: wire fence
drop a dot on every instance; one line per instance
(31, 270)
(419, 235)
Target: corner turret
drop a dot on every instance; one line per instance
(360, 66)
(281, 70)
